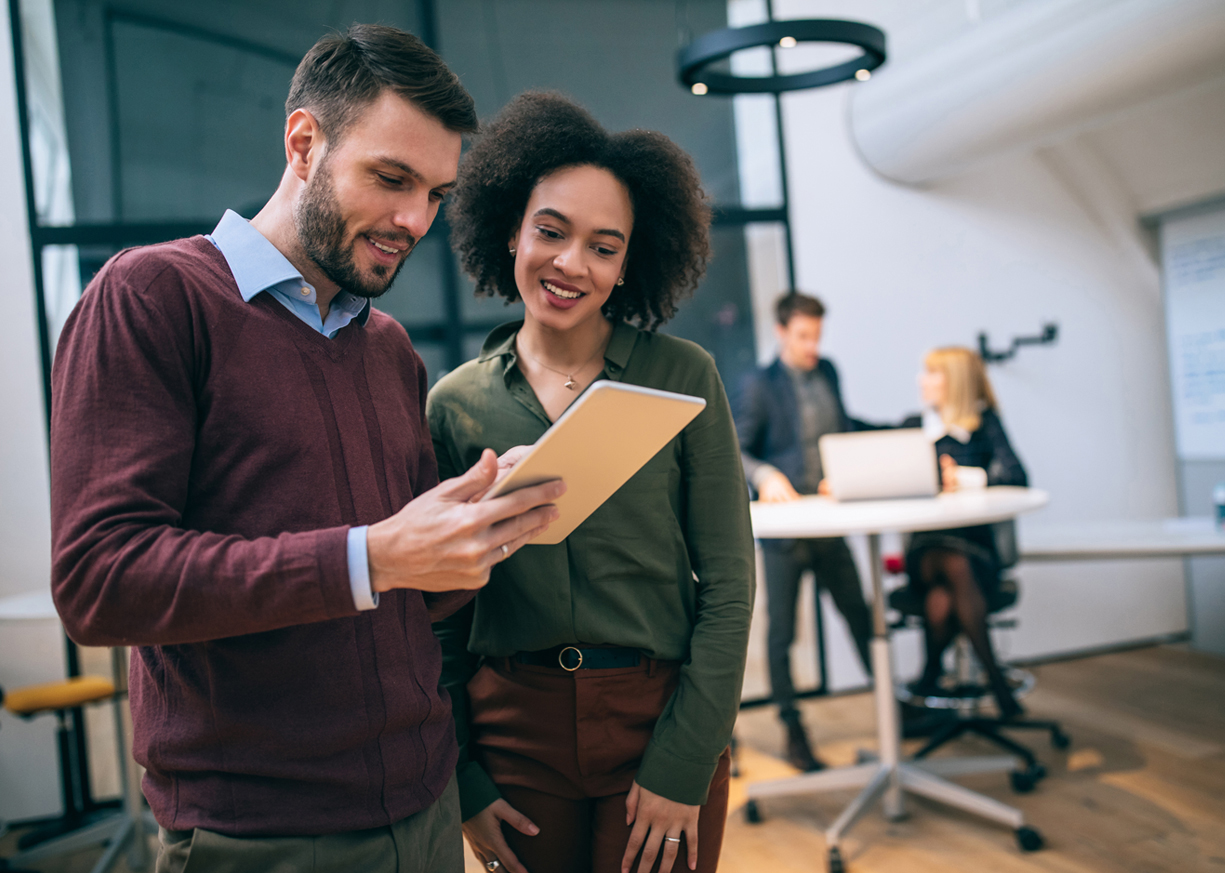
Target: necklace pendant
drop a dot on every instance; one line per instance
(570, 383)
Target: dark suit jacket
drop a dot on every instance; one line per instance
(768, 420)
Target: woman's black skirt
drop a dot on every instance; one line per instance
(976, 543)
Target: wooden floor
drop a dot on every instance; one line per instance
(1142, 788)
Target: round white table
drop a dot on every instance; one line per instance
(125, 829)
(889, 777)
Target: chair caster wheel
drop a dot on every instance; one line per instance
(835, 861)
(752, 814)
(1029, 839)
(1060, 740)
(1023, 781)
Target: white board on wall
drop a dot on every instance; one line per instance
(1193, 264)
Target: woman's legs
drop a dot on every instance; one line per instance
(564, 842)
(951, 571)
(612, 834)
(939, 628)
(590, 835)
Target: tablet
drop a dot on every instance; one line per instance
(596, 445)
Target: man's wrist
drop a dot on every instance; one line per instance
(364, 595)
(761, 474)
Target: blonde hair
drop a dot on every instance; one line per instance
(966, 386)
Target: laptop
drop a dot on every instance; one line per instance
(879, 464)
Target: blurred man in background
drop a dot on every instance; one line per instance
(783, 411)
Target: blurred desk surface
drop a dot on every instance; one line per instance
(1106, 540)
(826, 517)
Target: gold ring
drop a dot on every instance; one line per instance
(673, 839)
(561, 663)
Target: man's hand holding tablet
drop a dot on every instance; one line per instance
(595, 447)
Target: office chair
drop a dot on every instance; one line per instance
(958, 708)
(77, 830)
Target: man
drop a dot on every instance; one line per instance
(244, 488)
(784, 409)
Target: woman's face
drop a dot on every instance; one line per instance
(570, 247)
(933, 387)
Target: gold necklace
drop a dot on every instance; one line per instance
(570, 381)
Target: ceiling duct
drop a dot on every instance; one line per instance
(1031, 75)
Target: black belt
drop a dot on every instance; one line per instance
(573, 658)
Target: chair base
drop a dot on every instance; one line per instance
(66, 824)
(117, 832)
(991, 729)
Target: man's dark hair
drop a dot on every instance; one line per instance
(794, 303)
(539, 133)
(345, 72)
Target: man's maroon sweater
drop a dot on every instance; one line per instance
(208, 457)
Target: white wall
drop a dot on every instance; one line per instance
(1052, 234)
(31, 651)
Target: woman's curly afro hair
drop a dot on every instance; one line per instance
(539, 133)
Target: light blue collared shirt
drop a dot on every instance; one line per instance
(259, 266)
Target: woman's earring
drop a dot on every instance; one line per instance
(620, 280)
(512, 252)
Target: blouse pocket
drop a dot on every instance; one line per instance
(635, 537)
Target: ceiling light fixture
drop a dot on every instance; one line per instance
(693, 59)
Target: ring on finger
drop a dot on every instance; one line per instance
(673, 839)
(505, 553)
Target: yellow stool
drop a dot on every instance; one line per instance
(81, 829)
(58, 697)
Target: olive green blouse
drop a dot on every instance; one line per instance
(665, 565)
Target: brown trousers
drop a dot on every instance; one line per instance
(563, 748)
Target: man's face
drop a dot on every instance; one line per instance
(372, 197)
(799, 341)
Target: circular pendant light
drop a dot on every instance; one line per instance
(692, 60)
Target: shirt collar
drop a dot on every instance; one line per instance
(258, 265)
(501, 342)
(797, 374)
(935, 428)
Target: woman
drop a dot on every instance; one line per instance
(957, 571)
(566, 766)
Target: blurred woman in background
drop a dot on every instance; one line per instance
(957, 571)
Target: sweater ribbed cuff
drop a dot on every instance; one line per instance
(680, 780)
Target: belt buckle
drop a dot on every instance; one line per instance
(561, 658)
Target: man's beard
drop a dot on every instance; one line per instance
(325, 239)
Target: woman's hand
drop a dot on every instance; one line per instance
(948, 473)
(654, 818)
(484, 833)
(506, 463)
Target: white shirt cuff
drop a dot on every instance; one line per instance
(364, 597)
(971, 478)
(761, 474)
